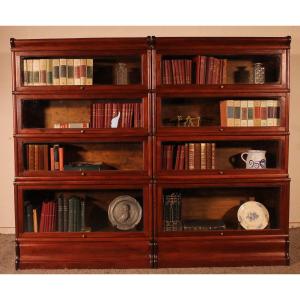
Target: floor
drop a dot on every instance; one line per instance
(7, 258)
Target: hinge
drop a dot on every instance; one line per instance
(151, 42)
(153, 257)
(12, 42)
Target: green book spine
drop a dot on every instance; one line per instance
(82, 215)
(29, 218)
(66, 215)
(71, 214)
(60, 214)
(76, 215)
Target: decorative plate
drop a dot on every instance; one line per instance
(253, 215)
(124, 212)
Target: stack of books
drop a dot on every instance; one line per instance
(57, 158)
(235, 113)
(195, 225)
(58, 71)
(189, 156)
(37, 156)
(210, 70)
(172, 212)
(62, 215)
(72, 125)
(177, 71)
(103, 113)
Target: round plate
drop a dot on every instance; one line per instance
(124, 212)
(253, 215)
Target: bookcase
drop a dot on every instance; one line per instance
(142, 152)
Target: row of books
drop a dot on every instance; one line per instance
(62, 215)
(172, 212)
(177, 71)
(210, 70)
(248, 113)
(189, 156)
(60, 71)
(38, 157)
(127, 115)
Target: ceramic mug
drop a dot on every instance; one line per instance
(256, 159)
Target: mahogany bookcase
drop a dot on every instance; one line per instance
(137, 154)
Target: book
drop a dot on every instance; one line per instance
(227, 113)
(43, 72)
(36, 71)
(29, 67)
(244, 113)
(60, 207)
(237, 113)
(89, 71)
(172, 212)
(213, 156)
(56, 157)
(29, 217)
(55, 72)
(62, 71)
(257, 113)
(250, 107)
(49, 71)
(61, 158)
(203, 156)
(35, 220)
(25, 73)
(82, 215)
(270, 113)
(83, 71)
(72, 125)
(191, 156)
(71, 215)
(70, 71)
(277, 121)
(77, 71)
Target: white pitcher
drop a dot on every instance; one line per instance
(256, 159)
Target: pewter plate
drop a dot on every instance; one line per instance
(124, 212)
(253, 215)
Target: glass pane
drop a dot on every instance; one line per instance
(221, 69)
(118, 70)
(83, 210)
(216, 208)
(222, 155)
(99, 113)
(98, 157)
(196, 113)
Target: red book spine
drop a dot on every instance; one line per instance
(42, 218)
(164, 73)
(46, 217)
(178, 150)
(209, 70)
(182, 158)
(101, 115)
(135, 115)
(174, 71)
(131, 105)
(169, 72)
(61, 158)
(202, 76)
(46, 158)
(126, 115)
(93, 114)
(52, 158)
(170, 157)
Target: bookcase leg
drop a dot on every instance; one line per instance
(17, 259)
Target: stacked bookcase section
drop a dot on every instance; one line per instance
(151, 152)
(83, 152)
(221, 151)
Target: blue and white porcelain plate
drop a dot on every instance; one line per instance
(253, 215)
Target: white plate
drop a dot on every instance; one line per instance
(253, 215)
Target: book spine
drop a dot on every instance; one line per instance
(55, 72)
(65, 214)
(257, 116)
(83, 71)
(55, 216)
(30, 71)
(30, 157)
(49, 71)
(56, 157)
(63, 71)
(60, 226)
(29, 217)
(224, 71)
(213, 156)
(237, 113)
(36, 71)
(75, 216)
(270, 108)
(36, 157)
(197, 156)
(61, 158)
(263, 113)
(82, 215)
(250, 113)
(51, 159)
(191, 156)
(35, 220)
(177, 160)
(71, 215)
(77, 71)
(203, 156)
(186, 156)
(244, 113)
(70, 71)
(43, 72)
(277, 113)
(46, 217)
(42, 218)
(25, 73)
(89, 71)
(208, 156)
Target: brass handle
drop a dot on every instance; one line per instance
(82, 173)
(82, 87)
(83, 235)
(81, 131)
(221, 129)
(221, 172)
(222, 233)
(222, 86)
